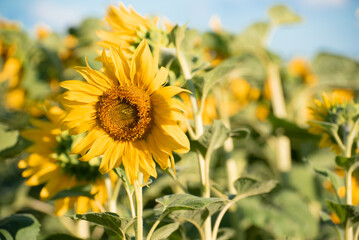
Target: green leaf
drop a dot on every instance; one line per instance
(281, 14)
(5, 235)
(62, 236)
(291, 129)
(344, 162)
(338, 71)
(284, 214)
(111, 221)
(333, 178)
(20, 227)
(186, 202)
(345, 212)
(122, 175)
(329, 127)
(83, 190)
(198, 216)
(340, 210)
(218, 74)
(253, 187)
(8, 138)
(165, 231)
(226, 234)
(215, 136)
(19, 147)
(177, 35)
(252, 38)
(240, 133)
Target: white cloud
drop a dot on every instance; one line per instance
(57, 14)
(332, 3)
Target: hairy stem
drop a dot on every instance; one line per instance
(83, 229)
(111, 201)
(278, 103)
(139, 220)
(348, 177)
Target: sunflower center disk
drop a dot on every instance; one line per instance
(125, 113)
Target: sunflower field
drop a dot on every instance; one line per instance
(135, 127)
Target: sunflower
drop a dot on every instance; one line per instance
(299, 67)
(127, 28)
(330, 110)
(50, 163)
(128, 115)
(209, 112)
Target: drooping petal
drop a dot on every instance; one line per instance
(98, 147)
(112, 157)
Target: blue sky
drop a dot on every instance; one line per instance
(329, 25)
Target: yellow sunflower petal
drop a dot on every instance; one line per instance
(55, 186)
(121, 67)
(98, 147)
(130, 162)
(112, 157)
(44, 174)
(146, 163)
(62, 206)
(80, 86)
(176, 133)
(82, 205)
(142, 69)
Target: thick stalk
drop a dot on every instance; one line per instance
(203, 163)
(348, 177)
(278, 104)
(110, 200)
(357, 233)
(83, 229)
(139, 222)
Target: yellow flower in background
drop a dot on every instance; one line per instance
(342, 192)
(50, 164)
(209, 112)
(213, 57)
(9, 25)
(128, 28)
(70, 41)
(42, 32)
(321, 112)
(129, 117)
(11, 72)
(15, 99)
(243, 91)
(300, 67)
(262, 112)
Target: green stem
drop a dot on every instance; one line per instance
(223, 212)
(203, 163)
(154, 226)
(139, 210)
(111, 201)
(83, 229)
(348, 177)
(357, 233)
(130, 199)
(188, 77)
(278, 104)
(339, 141)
